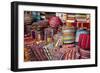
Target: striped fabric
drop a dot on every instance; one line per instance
(71, 52)
(68, 35)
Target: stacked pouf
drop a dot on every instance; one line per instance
(68, 35)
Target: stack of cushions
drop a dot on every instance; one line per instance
(68, 35)
(84, 45)
(67, 52)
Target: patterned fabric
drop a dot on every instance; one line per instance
(68, 35)
(55, 21)
(84, 41)
(71, 52)
(38, 52)
(84, 54)
(67, 52)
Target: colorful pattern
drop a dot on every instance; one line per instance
(68, 35)
(56, 36)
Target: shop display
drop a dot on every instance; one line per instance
(60, 33)
(48, 36)
(57, 36)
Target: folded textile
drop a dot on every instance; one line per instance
(85, 54)
(71, 52)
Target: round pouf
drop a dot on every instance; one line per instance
(55, 21)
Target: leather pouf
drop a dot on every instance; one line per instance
(55, 21)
